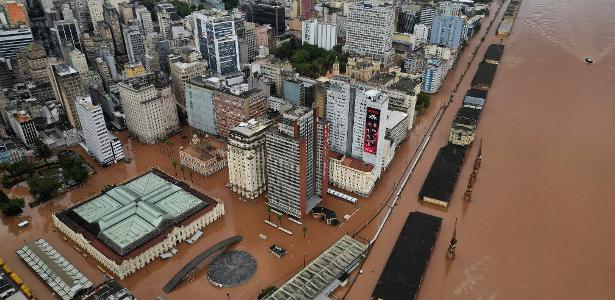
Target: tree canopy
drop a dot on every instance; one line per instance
(43, 188)
(73, 169)
(310, 60)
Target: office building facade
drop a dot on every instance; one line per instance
(247, 160)
(370, 29)
(270, 13)
(291, 157)
(149, 105)
(216, 39)
(100, 143)
(319, 34)
(447, 31)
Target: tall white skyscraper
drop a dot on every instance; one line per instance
(319, 34)
(369, 128)
(370, 29)
(100, 143)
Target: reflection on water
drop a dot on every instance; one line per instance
(582, 28)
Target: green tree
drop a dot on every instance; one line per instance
(174, 163)
(191, 172)
(183, 9)
(422, 102)
(43, 188)
(230, 4)
(12, 207)
(73, 169)
(42, 149)
(268, 209)
(3, 197)
(305, 230)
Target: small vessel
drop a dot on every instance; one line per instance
(589, 60)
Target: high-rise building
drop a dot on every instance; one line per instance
(433, 75)
(406, 18)
(237, 104)
(144, 18)
(149, 105)
(247, 160)
(200, 105)
(428, 14)
(271, 13)
(167, 14)
(112, 18)
(292, 175)
(275, 71)
(67, 87)
(306, 9)
(319, 34)
(217, 41)
(339, 113)
(133, 36)
(369, 127)
(421, 33)
(451, 8)
(100, 143)
(96, 12)
(370, 29)
(182, 73)
(67, 34)
(126, 13)
(250, 41)
(78, 61)
(81, 14)
(447, 31)
(33, 63)
(24, 128)
(14, 40)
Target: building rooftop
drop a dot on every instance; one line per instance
(352, 163)
(484, 75)
(394, 118)
(122, 221)
(494, 52)
(467, 116)
(444, 172)
(476, 93)
(53, 268)
(406, 85)
(327, 267)
(251, 127)
(404, 270)
(382, 78)
(22, 117)
(65, 70)
(204, 148)
(109, 290)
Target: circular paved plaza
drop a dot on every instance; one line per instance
(231, 269)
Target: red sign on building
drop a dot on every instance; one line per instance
(372, 123)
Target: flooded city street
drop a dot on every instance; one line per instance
(540, 225)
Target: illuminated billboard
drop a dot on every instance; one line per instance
(372, 124)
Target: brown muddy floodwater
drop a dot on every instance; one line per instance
(542, 223)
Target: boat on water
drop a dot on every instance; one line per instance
(589, 60)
